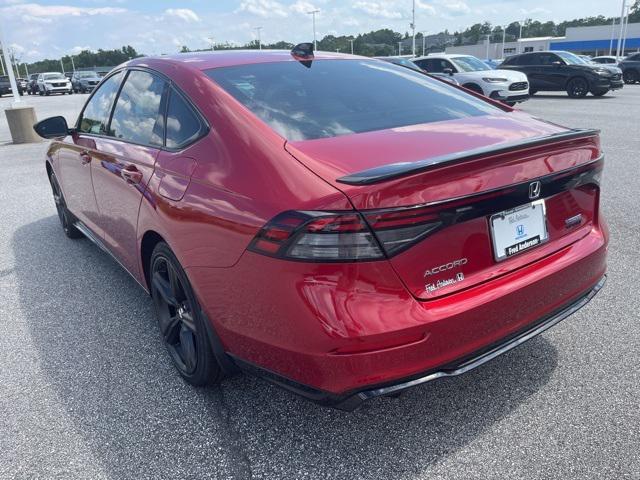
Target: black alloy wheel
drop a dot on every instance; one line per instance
(577, 87)
(63, 214)
(180, 320)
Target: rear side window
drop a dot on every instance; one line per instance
(139, 113)
(96, 113)
(341, 97)
(183, 124)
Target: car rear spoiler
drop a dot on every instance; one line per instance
(395, 170)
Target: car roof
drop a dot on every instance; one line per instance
(226, 58)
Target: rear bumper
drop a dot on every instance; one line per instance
(352, 400)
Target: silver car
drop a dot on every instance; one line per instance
(84, 82)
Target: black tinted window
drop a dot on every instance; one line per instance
(138, 116)
(547, 59)
(339, 97)
(96, 112)
(182, 122)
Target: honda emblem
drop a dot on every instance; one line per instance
(534, 190)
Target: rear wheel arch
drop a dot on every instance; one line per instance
(149, 241)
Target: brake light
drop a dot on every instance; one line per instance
(317, 236)
(343, 237)
(397, 230)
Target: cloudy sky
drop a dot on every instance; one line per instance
(51, 28)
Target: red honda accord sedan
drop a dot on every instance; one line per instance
(342, 226)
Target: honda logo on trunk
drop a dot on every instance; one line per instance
(534, 190)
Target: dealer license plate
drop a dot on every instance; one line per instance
(519, 229)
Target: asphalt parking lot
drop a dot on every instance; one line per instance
(87, 390)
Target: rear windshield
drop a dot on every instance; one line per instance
(340, 97)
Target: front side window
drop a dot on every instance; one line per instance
(341, 97)
(139, 112)
(183, 124)
(96, 113)
(571, 59)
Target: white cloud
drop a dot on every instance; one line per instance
(35, 10)
(375, 9)
(301, 6)
(185, 14)
(454, 7)
(263, 8)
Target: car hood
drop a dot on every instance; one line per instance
(336, 157)
(511, 75)
(90, 79)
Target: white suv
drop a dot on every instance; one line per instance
(53, 82)
(507, 86)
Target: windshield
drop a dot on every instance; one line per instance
(571, 59)
(470, 64)
(86, 74)
(340, 97)
(53, 76)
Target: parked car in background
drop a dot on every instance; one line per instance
(53, 82)
(605, 59)
(406, 62)
(555, 71)
(630, 67)
(472, 73)
(23, 83)
(83, 82)
(345, 227)
(5, 86)
(32, 86)
(494, 63)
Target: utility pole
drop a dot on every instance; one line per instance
(351, 46)
(624, 7)
(313, 14)
(257, 29)
(613, 26)
(413, 27)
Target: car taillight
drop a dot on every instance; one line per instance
(342, 237)
(317, 236)
(398, 229)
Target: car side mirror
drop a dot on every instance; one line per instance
(448, 71)
(52, 127)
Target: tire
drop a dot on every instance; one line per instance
(630, 76)
(577, 87)
(599, 93)
(64, 215)
(180, 320)
(82, 90)
(40, 92)
(532, 92)
(47, 93)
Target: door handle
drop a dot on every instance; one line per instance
(131, 174)
(85, 157)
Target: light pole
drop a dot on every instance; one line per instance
(73, 65)
(624, 7)
(257, 29)
(26, 69)
(213, 45)
(62, 66)
(504, 38)
(413, 28)
(424, 43)
(351, 46)
(488, 43)
(613, 26)
(313, 14)
(399, 48)
(9, 69)
(624, 35)
(520, 38)
(2, 64)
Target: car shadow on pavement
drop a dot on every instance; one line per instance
(607, 96)
(99, 351)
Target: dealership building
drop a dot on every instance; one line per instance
(581, 40)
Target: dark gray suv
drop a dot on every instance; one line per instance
(631, 68)
(83, 82)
